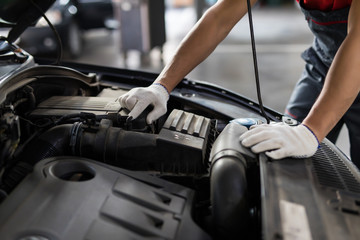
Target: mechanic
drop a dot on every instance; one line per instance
(324, 96)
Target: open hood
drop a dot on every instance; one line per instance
(20, 14)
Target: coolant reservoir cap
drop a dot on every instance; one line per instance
(247, 122)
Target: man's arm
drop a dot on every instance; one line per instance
(341, 87)
(209, 31)
(201, 41)
(342, 83)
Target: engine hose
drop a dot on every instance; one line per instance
(106, 144)
(114, 145)
(54, 142)
(228, 184)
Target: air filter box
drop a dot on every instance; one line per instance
(189, 136)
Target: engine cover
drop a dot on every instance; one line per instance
(77, 198)
(63, 105)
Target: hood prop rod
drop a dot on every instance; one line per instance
(258, 91)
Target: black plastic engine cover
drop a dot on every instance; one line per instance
(63, 105)
(77, 198)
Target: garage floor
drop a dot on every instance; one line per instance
(281, 35)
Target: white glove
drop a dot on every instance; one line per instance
(280, 140)
(137, 99)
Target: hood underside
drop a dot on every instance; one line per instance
(20, 14)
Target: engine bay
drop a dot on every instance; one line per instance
(65, 138)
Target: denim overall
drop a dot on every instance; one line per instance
(329, 29)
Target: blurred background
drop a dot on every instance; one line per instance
(143, 35)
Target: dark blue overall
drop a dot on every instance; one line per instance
(329, 29)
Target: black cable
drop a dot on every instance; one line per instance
(58, 39)
(258, 91)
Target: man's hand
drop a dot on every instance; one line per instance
(280, 140)
(137, 99)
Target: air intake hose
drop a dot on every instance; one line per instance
(54, 142)
(114, 145)
(228, 184)
(105, 143)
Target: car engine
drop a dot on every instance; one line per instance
(73, 163)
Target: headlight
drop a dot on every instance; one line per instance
(54, 17)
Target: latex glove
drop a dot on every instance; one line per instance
(137, 99)
(280, 140)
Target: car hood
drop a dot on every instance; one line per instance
(20, 14)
